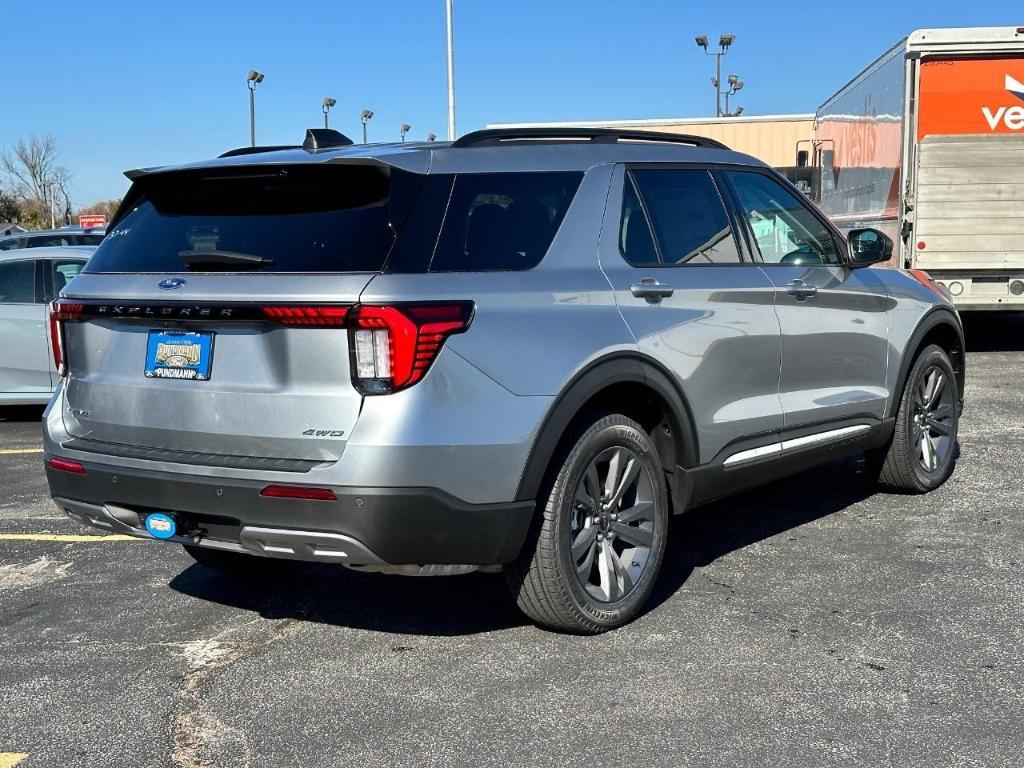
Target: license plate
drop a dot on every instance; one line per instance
(179, 355)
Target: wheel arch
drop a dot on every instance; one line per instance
(939, 326)
(593, 390)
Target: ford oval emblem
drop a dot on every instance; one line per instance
(171, 283)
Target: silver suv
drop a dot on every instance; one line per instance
(522, 350)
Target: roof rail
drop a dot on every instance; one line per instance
(257, 150)
(492, 137)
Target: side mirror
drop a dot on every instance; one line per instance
(868, 246)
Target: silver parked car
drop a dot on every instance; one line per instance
(48, 238)
(29, 280)
(524, 349)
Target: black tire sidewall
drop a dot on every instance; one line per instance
(930, 356)
(612, 431)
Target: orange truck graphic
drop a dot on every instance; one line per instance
(927, 144)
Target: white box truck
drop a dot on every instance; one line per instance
(927, 144)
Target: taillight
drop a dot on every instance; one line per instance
(61, 312)
(394, 346)
(316, 316)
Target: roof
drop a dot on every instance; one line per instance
(49, 252)
(442, 157)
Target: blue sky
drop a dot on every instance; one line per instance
(128, 84)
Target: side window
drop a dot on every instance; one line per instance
(502, 221)
(45, 242)
(688, 216)
(62, 272)
(636, 243)
(18, 282)
(785, 230)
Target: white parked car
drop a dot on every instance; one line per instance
(29, 279)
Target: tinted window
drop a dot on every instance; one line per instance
(785, 230)
(635, 240)
(89, 239)
(689, 219)
(303, 218)
(9, 245)
(46, 241)
(18, 282)
(63, 271)
(502, 221)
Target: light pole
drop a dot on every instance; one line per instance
(328, 103)
(735, 84)
(253, 79)
(404, 130)
(451, 70)
(724, 41)
(367, 114)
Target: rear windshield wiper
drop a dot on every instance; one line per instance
(232, 259)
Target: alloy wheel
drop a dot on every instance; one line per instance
(612, 526)
(933, 426)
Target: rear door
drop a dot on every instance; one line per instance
(24, 354)
(211, 315)
(834, 319)
(697, 305)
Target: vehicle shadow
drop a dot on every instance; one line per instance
(21, 413)
(993, 331)
(474, 603)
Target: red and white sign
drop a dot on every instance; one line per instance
(90, 220)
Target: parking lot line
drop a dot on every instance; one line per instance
(11, 452)
(11, 759)
(73, 537)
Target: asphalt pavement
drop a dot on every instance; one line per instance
(814, 622)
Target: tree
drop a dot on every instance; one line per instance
(10, 209)
(36, 175)
(106, 207)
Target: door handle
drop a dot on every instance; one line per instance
(800, 289)
(651, 290)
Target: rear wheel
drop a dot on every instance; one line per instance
(922, 453)
(597, 547)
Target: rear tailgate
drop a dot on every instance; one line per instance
(181, 351)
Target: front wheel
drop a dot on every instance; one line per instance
(922, 453)
(596, 550)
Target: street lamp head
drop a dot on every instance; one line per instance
(738, 112)
(726, 40)
(733, 79)
(329, 102)
(367, 114)
(254, 77)
(431, 137)
(404, 129)
(714, 81)
(738, 85)
(702, 41)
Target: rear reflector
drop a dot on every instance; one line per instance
(66, 466)
(298, 492)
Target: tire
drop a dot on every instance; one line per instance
(906, 465)
(619, 546)
(237, 563)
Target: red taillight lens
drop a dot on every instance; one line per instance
(66, 466)
(393, 347)
(298, 492)
(61, 312)
(315, 316)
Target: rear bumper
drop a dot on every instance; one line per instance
(364, 526)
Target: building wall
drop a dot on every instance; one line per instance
(771, 138)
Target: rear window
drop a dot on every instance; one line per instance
(295, 219)
(502, 221)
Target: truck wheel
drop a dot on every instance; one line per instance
(596, 548)
(922, 453)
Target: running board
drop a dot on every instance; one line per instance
(796, 443)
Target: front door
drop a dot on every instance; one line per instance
(24, 352)
(834, 319)
(697, 306)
